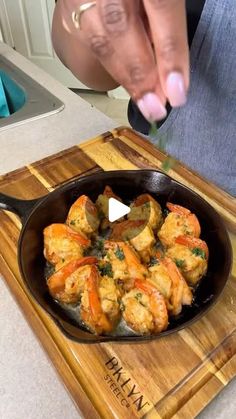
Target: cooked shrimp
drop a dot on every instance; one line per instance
(180, 221)
(146, 208)
(136, 313)
(109, 295)
(102, 204)
(125, 263)
(83, 216)
(138, 233)
(134, 274)
(198, 246)
(128, 229)
(103, 199)
(116, 257)
(180, 292)
(135, 267)
(161, 279)
(143, 243)
(67, 283)
(62, 244)
(190, 255)
(144, 308)
(91, 305)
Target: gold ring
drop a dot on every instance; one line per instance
(76, 15)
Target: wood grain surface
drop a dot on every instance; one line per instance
(176, 376)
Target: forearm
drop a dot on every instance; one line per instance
(77, 57)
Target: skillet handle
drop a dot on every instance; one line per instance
(20, 207)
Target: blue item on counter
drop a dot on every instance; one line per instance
(12, 96)
(4, 109)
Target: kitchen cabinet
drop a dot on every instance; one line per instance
(26, 26)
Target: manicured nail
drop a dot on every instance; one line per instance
(151, 107)
(175, 89)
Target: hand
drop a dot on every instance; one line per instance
(142, 45)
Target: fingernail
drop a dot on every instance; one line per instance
(175, 89)
(151, 107)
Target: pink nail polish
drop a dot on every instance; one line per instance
(151, 107)
(175, 89)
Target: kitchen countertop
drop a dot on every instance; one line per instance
(29, 385)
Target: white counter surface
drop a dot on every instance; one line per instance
(29, 386)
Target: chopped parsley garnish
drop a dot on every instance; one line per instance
(63, 260)
(166, 212)
(157, 246)
(161, 141)
(106, 270)
(100, 214)
(153, 131)
(197, 251)
(153, 261)
(168, 164)
(73, 222)
(122, 306)
(138, 296)
(179, 263)
(100, 245)
(119, 253)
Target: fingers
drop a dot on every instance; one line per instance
(132, 62)
(115, 33)
(117, 36)
(167, 19)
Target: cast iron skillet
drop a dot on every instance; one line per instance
(53, 208)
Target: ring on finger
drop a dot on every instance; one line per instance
(76, 15)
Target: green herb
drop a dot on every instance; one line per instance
(88, 251)
(168, 164)
(100, 214)
(122, 306)
(179, 263)
(106, 270)
(162, 141)
(166, 212)
(119, 253)
(138, 297)
(153, 261)
(197, 251)
(73, 222)
(153, 131)
(63, 260)
(158, 246)
(99, 245)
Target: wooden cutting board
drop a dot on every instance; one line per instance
(176, 376)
